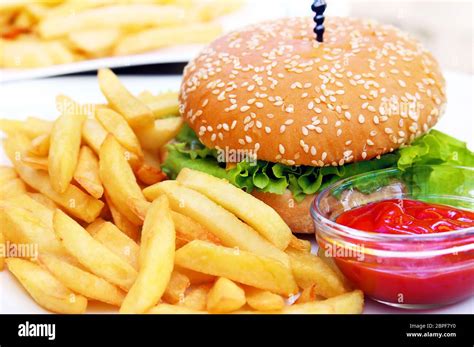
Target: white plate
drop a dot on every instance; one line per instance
(36, 98)
(251, 12)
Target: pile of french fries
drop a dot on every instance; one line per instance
(43, 33)
(88, 191)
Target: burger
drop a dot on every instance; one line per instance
(282, 116)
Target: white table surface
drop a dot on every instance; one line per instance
(36, 98)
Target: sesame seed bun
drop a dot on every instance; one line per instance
(271, 88)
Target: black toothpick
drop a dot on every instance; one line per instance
(319, 6)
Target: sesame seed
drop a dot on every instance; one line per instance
(281, 149)
(347, 114)
(338, 132)
(361, 119)
(244, 108)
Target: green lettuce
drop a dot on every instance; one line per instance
(433, 148)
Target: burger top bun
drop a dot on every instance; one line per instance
(272, 89)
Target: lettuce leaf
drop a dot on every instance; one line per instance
(433, 148)
(437, 148)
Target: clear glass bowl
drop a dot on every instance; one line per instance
(409, 271)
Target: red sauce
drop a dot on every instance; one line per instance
(412, 280)
(406, 217)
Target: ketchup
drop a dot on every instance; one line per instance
(398, 216)
(409, 279)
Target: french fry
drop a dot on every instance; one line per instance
(162, 105)
(173, 309)
(41, 212)
(59, 52)
(26, 222)
(93, 134)
(155, 38)
(310, 270)
(194, 276)
(82, 282)
(37, 163)
(128, 228)
(159, 133)
(176, 288)
(2, 256)
(330, 262)
(64, 150)
(228, 228)
(12, 188)
(94, 227)
(308, 294)
(121, 100)
(115, 124)
(31, 127)
(92, 254)
(40, 145)
(130, 16)
(119, 181)
(209, 10)
(94, 42)
(263, 300)
(188, 229)
(299, 244)
(156, 259)
(73, 200)
(26, 54)
(237, 265)
(116, 241)
(87, 172)
(45, 289)
(7, 173)
(43, 200)
(251, 210)
(149, 172)
(196, 297)
(348, 303)
(225, 296)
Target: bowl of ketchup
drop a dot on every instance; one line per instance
(400, 236)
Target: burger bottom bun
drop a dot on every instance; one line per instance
(295, 214)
